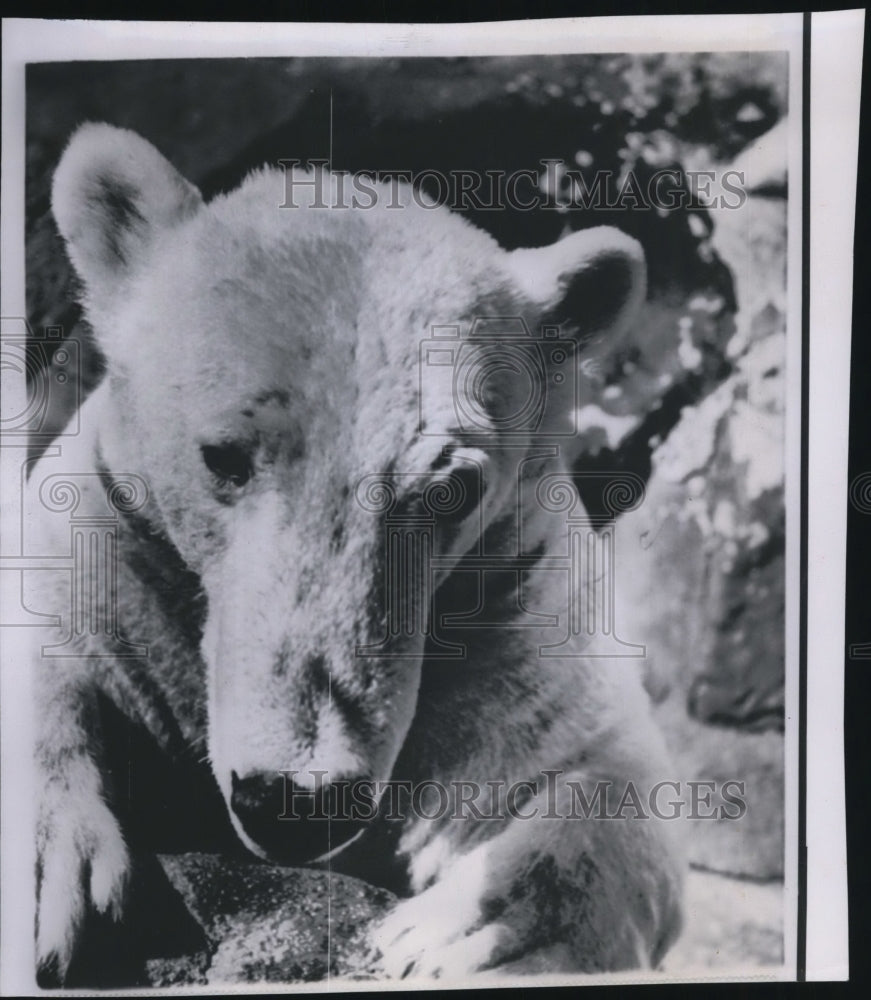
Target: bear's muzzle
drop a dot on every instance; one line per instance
(291, 824)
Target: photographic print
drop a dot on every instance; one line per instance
(408, 510)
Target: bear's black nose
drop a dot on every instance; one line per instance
(294, 824)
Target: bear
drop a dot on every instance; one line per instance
(334, 439)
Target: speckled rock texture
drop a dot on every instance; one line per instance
(261, 923)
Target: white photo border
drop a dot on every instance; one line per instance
(835, 71)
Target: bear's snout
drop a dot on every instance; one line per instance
(292, 824)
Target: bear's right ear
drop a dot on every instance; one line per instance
(112, 193)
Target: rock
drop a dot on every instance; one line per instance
(215, 919)
(700, 569)
(731, 926)
(262, 923)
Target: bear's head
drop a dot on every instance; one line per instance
(329, 405)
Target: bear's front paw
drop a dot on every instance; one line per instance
(82, 862)
(443, 933)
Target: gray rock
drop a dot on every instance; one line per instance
(700, 565)
(267, 924)
(731, 926)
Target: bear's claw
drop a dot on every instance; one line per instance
(83, 862)
(441, 933)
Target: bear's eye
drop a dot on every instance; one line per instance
(230, 462)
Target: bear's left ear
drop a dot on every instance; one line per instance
(112, 193)
(593, 281)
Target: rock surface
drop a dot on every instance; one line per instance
(709, 536)
(732, 927)
(214, 920)
(268, 924)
